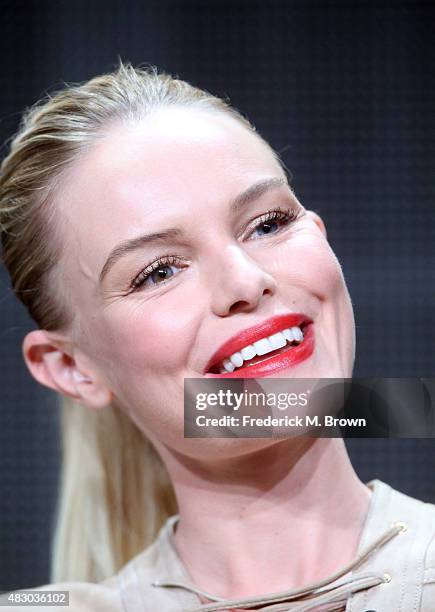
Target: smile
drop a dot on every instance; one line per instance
(279, 343)
(270, 344)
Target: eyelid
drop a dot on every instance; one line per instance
(286, 215)
(139, 280)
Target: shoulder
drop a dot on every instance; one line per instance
(68, 596)
(390, 504)
(409, 558)
(129, 589)
(417, 516)
(420, 546)
(115, 594)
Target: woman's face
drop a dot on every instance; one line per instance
(174, 183)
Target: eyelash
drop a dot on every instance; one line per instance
(276, 214)
(142, 277)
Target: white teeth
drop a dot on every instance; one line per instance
(297, 334)
(229, 367)
(277, 340)
(262, 346)
(236, 359)
(248, 352)
(288, 334)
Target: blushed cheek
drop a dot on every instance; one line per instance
(308, 261)
(329, 274)
(145, 339)
(328, 283)
(310, 272)
(135, 350)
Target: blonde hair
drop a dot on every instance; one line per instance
(115, 492)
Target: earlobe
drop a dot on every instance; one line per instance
(52, 366)
(318, 221)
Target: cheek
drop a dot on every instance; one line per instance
(307, 261)
(141, 348)
(146, 337)
(310, 271)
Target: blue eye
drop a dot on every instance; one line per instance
(270, 222)
(158, 272)
(268, 227)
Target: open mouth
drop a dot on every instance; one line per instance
(295, 342)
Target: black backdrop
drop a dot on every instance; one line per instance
(345, 92)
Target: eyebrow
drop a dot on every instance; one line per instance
(133, 244)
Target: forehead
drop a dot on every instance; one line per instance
(176, 142)
(175, 162)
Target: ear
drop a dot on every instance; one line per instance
(318, 221)
(50, 362)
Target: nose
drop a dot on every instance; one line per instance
(239, 283)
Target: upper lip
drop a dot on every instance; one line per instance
(254, 333)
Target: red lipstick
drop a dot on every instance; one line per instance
(287, 357)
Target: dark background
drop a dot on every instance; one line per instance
(344, 91)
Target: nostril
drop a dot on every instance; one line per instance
(239, 306)
(245, 306)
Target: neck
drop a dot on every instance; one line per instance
(276, 519)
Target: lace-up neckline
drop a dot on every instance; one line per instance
(329, 594)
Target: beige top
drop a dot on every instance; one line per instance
(394, 571)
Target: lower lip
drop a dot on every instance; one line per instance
(287, 359)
